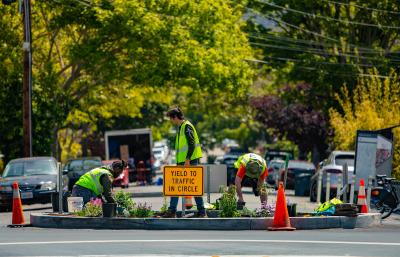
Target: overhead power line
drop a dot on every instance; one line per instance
(287, 40)
(361, 7)
(294, 26)
(317, 51)
(329, 72)
(319, 62)
(279, 21)
(328, 18)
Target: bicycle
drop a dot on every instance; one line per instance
(388, 199)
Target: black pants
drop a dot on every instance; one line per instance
(252, 182)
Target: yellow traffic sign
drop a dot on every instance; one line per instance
(183, 181)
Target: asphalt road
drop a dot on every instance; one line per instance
(29, 241)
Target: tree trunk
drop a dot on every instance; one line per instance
(315, 156)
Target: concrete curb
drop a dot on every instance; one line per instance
(44, 220)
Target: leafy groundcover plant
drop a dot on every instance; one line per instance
(92, 209)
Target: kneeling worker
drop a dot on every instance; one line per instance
(252, 169)
(98, 182)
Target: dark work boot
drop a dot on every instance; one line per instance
(201, 214)
(169, 214)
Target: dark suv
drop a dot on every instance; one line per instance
(75, 168)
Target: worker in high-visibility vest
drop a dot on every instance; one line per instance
(252, 169)
(97, 182)
(188, 152)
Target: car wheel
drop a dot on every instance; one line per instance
(313, 192)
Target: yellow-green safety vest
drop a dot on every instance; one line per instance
(91, 179)
(181, 144)
(245, 158)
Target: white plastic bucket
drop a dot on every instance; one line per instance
(75, 204)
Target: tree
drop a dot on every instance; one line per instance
(374, 105)
(100, 61)
(10, 84)
(324, 44)
(290, 117)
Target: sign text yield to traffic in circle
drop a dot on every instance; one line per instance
(183, 181)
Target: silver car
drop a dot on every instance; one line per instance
(334, 166)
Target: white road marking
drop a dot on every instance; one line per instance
(193, 256)
(204, 241)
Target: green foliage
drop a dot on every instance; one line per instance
(10, 83)
(91, 210)
(247, 212)
(124, 200)
(164, 207)
(143, 210)
(113, 64)
(228, 203)
(373, 105)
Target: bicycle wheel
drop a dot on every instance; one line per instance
(384, 209)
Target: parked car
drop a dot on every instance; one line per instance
(123, 179)
(277, 154)
(75, 168)
(229, 160)
(334, 166)
(36, 177)
(274, 168)
(296, 167)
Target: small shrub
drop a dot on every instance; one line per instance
(247, 212)
(124, 200)
(228, 203)
(164, 207)
(92, 209)
(143, 210)
(266, 210)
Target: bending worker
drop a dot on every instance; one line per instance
(98, 182)
(188, 152)
(252, 169)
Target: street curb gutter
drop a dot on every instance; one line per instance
(44, 220)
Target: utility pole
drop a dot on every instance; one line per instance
(27, 80)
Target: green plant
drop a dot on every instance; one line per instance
(164, 207)
(266, 210)
(227, 203)
(90, 210)
(247, 212)
(143, 210)
(124, 200)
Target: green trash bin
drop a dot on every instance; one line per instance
(302, 184)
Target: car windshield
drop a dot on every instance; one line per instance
(301, 165)
(157, 152)
(342, 159)
(30, 168)
(91, 164)
(276, 165)
(78, 165)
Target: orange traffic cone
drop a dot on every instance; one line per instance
(17, 213)
(281, 217)
(361, 200)
(188, 202)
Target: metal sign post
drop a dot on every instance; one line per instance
(60, 188)
(319, 187)
(328, 187)
(208, 184)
